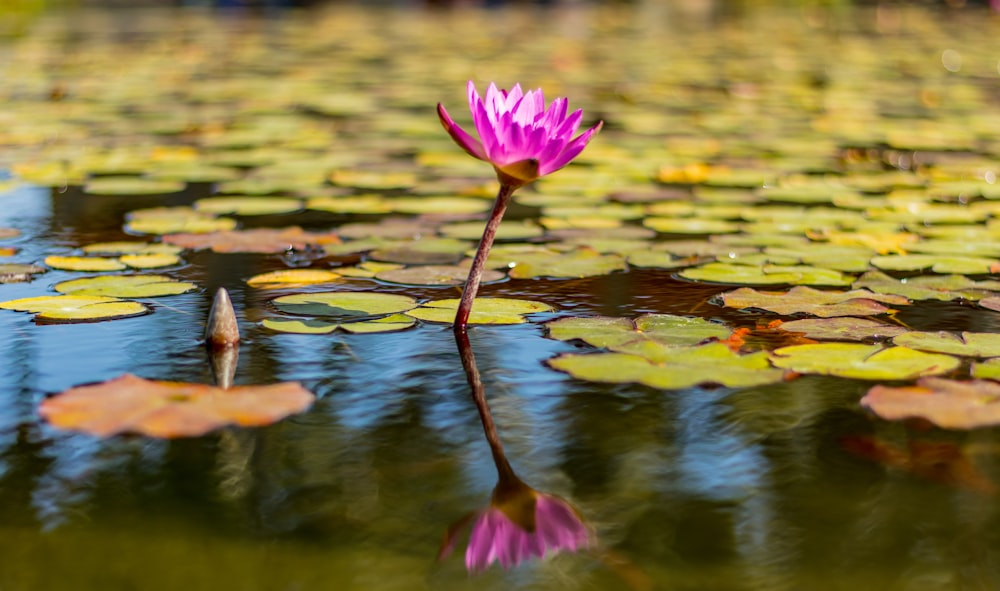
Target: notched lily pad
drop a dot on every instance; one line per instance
(863, 362)
(89, 264)
(344, 304)
(257, 240)
(766, 274)
(620, 333)
(950, 404)
(484, 310)
(937, 264)
(969, 344)
(825, 304)
(929, 287)
(132, 186)
(844, 328)
(125, 286)
(679, 367)
(299, 325)
(435, 275)
(76, 308)
(19, 273)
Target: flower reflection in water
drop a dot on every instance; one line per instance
(520, 523)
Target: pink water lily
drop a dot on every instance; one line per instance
(524, 141)
(520, 137)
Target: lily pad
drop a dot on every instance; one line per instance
(435, 275)
(91, 264)
(950, 404)
(132, 186)
(825, 304)
(344, 304)
(766, 274)
(618, 333)
(484, 310)
(125, 286)
(929, 287)
(862, 362)
(681, 367)
(969, 344)
(393, 323)
(256, 240)
(580, 262)
(170, 409)
(292, 278)
(937, 264)
(76, 308)
(843, 328)
(299, 325)
(19, 273)
(165, 220)
(248, 205)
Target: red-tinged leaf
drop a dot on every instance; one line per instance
(170, 409)
(950, 404)
(257, 240)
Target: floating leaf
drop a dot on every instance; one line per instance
(508, 230)
(484, 310)
(350, 204)
(248, 205)
(970, 344)
(299, 325)
(391, 323)
(132, 186)
(947, 403)
(165, 220)
(76, 308)
(937, 264)
(766, 274)
(863, 362)
(435, 275)
(91, 264)
(344, 304)
(130, 247)
(580, 262)
(825, 304)
(425, 251)
(125, 286)
(619, 333)
(988, 369)
(690, 225)
(256, 240)
(150, 261)
(843, 329)
(928, 287)
(292, 278)
(130, 404)
(680, 367)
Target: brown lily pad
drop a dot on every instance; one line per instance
(950, 404)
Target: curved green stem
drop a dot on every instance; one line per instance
(479, 262)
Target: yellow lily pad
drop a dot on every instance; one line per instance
(863, 362)
(76, 308)
(90, 264)
(484, 310)
(125, 286)
(292, 278)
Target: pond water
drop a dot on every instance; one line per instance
(786, 486)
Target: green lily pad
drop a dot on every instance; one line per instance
(344, 304)
(299, 325)
(125, 286)
(766, 275)
(168, 220)
(970, 344)
(682, 367)
(615, 333)
(825, 304)
(423, 251)
(988, 369)
(89, 264)
(929, 287)
(292, 278)
(393, 323)
(435, 275)
(132, 186)
(76, 308)
(580, 262)
(844, 328)
(248, 205)
(446, 205)
(511, 230)
(350, 204)
(484, 310)
(130, 247)
(937, 264)
(862, 362)
(690, 225)
(949, 404)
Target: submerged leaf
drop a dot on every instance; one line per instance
(863, 362)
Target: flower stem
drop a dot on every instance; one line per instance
(479, 262)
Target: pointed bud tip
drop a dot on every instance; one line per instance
(222, 329)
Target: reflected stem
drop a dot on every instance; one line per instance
(506, 477)
(482, 253)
